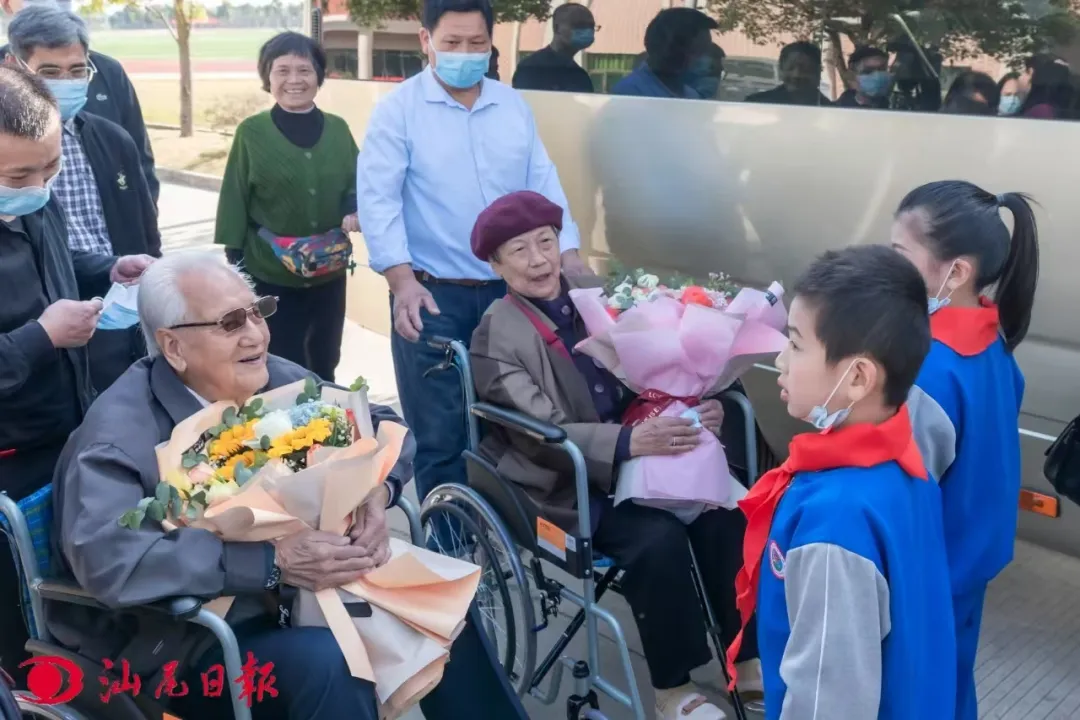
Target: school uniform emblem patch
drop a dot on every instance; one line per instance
(776, 560)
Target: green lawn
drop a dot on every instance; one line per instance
(206, 44)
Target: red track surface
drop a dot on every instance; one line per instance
(199, 66)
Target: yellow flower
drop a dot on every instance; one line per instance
(316, 431)
(227, 472)
(180, 481)
(231, 440)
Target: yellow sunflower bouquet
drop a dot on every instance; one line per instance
(241, 442)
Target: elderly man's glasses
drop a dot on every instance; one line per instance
(233, 320)
(78, 72)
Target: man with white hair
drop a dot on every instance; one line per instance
(207, 337)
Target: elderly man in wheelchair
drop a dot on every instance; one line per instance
(208, 342)
(520, 359)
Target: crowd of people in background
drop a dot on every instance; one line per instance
(681, 60)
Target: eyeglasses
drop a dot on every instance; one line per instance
(233, 320)
(80, 72)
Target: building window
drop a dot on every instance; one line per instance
(341, 64)
(606, 69)
(396, 65)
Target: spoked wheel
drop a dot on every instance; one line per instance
(459, 523)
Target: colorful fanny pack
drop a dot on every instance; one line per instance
(312, 256)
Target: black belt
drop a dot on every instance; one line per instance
(426, 277)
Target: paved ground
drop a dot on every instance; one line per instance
(1029, 659)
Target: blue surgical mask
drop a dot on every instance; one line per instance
(875, 84)
(937, 302)
(26, 200)
(461, 70)
(582, 38)
(821, 418)
(70, 96)
(1010, 104)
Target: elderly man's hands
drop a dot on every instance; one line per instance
(370, 531)
(316, 560)
(129, 268)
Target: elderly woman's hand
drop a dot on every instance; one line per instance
(351, 224)
(711, 414)
(664, 436)
(574, 266)
(315, 560)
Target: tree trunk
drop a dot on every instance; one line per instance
(183, 42)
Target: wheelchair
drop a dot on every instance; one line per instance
(492, 520)
(32, 563)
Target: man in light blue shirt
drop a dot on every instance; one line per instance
(440, 149)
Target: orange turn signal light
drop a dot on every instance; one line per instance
(1039, 503)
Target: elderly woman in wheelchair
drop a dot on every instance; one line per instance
(520, 360)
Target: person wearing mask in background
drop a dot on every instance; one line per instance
(873, 81)
(677, 45)
(1010, 96)
(112, 96)
(707, 85)
(553, 68)
(972, 93)
(49, 312)
(1052, 91)
(439, 148)
(101, 188)
(493, 64)
(287, 203)
(800, 75)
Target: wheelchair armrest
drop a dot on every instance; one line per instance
(520, 422)
(69, 592)
(438, 342)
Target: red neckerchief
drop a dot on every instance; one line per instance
(967, 331)
(861, 445)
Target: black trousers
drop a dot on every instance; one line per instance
(21, 474)
(308, 325)
(653, 548)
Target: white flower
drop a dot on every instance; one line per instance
(623, 288)
(647, 281)
(272, 425)
(221, 491)
(620, 302)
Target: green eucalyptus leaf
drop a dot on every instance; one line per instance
(156, 511)
(145, 502)
(310, 388)
(132, 519)
(192, 512)
(200, 458)
(229, 416)
(198, 498)
(242, 474)
(176, 507)
(218, 429)
(264, 443)
(189, 460)
(162, 494)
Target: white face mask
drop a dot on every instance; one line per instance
(937, 302)
(820, 417)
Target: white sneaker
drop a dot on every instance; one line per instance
(748, 674)
(685, 703)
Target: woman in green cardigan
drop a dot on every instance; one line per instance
(288, 200)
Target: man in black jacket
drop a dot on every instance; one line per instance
(112, 96)
(46, 317)
(102, 189)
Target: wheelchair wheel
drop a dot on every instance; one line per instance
(459, 523)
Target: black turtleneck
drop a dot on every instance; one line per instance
(302, 129)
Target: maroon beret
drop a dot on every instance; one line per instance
(512, 215)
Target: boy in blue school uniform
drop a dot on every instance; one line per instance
(845, 552)
(965, 406)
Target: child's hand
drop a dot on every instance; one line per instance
(711, 415)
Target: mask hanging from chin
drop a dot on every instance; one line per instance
(821, 418)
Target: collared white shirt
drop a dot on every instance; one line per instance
(429, 166)
(77, 192)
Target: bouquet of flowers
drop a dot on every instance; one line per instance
(304, 456)
(674, 343)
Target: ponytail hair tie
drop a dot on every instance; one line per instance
(1001, 200)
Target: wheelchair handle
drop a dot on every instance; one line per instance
(519, 422)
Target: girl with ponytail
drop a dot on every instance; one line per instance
(965, 406)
